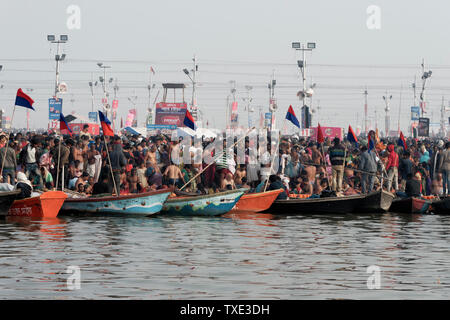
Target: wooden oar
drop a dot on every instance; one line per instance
(217, 157)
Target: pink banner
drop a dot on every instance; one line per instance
(330, 132)
(130, 118)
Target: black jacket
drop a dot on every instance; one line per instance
(118, 160)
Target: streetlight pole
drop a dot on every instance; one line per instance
(387, 117)
(62, 39)
(302, 65)
(425, 76)
(103, 81)
(248, 101)
(194, 83)
(365, 111)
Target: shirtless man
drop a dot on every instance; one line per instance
(311, 173)
(239, 175)
(133, 181)
(227, 183)
(316, 155)
(151, 157)
(174, 175)
(78, 154)
(81, 180)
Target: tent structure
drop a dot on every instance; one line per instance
(136, 131)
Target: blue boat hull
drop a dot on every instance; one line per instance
(207, 205)
(143, 204)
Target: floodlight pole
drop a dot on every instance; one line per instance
(194, 100)
(57, 59)
(302, 66)
(150, 110)
(365, 111)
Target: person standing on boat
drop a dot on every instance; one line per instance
(392, 167)
(118, 161)
(10, 165)
(444, 165)
(337, 154)
(30, 157)
(368, 164)
(405, 167)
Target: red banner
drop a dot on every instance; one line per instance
(170, 113)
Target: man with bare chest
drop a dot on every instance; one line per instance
(174, 175)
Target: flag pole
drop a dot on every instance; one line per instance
(110, 166)
(7, 143)
(57, 168)
(273, 159)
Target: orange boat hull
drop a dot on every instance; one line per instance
(47, 205)
(257, 202)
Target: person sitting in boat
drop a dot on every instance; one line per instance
(102, 186)
(413, 187)
(47, 178)
(348, 189)
(306, 186)
(24, 185)
(276, 184)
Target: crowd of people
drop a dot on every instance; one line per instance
(134, 164)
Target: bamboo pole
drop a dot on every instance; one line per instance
(57, 168)
(273, 159)
(110, 166)
(217, 157)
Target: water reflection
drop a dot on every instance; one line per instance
(242, 255)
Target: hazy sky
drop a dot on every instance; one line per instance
(241, 40)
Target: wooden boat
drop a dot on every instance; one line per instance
(410, 205)
(377, 201)
(205, 205)
(46, 205)
(257, 202)
(140, 204)
(441, 206)
(6, 200)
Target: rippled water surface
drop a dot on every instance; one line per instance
(239, 256)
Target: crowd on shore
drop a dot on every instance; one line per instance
(32, 161)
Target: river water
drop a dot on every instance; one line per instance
(238, 256)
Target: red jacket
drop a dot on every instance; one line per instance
(392, 159)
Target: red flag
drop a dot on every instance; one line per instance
(320, 138)
(402, 142)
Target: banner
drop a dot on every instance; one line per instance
(156, 129)
(94, 129)
(423, 130)
(130, 122)
(54, 108)
(330, 132)
(115, 105)
(170, 113)
(234, 112)
(415, 113)
(267, 119)
(93, 116)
